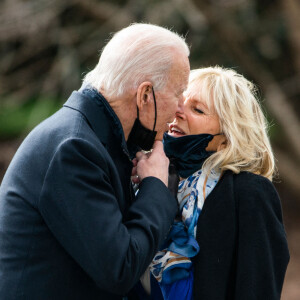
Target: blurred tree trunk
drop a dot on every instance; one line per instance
(45, 45)
(292, 16)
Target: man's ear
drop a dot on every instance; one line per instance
(144, 94)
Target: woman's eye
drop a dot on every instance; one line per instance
(198, 110)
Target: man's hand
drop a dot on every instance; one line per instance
(154, 164)
(134, 176)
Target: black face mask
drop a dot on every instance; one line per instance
(188, 152)
(140, 137)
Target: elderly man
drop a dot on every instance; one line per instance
(70, 224)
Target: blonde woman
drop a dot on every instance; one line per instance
(228, 241)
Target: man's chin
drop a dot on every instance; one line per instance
(159, 136)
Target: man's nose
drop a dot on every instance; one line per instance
(180, 106)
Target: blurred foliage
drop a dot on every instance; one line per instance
(46, 46)
(16, 120)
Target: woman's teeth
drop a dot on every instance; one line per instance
(175, 130)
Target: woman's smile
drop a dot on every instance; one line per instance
(175, 131)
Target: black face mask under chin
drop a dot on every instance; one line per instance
(188, 152)
(140, 137)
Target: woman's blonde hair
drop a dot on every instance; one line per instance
(241, 121)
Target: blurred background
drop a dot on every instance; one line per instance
(46, 47)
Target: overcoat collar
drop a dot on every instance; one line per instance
(101, 117)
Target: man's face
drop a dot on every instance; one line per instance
(170, 99)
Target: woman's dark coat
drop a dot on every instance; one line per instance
(243, 247)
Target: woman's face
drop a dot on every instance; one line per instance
(197, 118)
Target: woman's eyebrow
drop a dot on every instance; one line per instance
(197, 101)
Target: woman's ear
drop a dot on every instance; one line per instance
(144, 94)
(223, 143)
(218, 143)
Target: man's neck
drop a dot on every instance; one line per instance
(125, 109)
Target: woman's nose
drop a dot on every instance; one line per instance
(180, 114)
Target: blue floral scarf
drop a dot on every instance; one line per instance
(172, 266)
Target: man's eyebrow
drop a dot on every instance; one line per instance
(183, 88)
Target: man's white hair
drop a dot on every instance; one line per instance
(137, 53)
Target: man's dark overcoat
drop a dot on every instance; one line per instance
(70, 224)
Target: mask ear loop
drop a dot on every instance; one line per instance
(155, 117)
(221, 133)
(155, 109)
